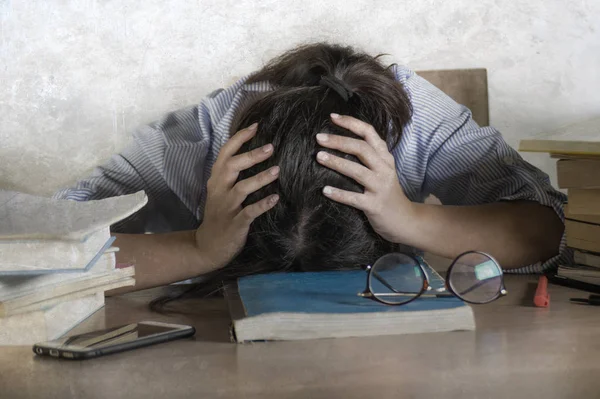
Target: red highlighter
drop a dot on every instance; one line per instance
(542, 298)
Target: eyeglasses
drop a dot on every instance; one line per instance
(397, 279)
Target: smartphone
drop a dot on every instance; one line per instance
(112, 340)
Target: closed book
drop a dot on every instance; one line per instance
(584, 201)
(578, 173)
(595, 219)
(584, 274)
(581, 235)
(14, 286)
(36, 299)
(586, 258)
(312, 305)
(48, 323)
(566, 147)
(36, 257)
(564, 156)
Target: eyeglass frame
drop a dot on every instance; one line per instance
(446, 291)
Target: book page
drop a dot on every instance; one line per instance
(29, 217)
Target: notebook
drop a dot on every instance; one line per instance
(313, 305)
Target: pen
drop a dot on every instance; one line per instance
(593, 300)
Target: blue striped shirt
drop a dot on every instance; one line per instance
(442, 152)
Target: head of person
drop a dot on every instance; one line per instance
(307, 231)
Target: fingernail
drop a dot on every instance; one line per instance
(268, 148)
(274, 199)
(322, 137)
(322, 156)
(253, 126)
(335, 116)
(274, 170)
(327, 190)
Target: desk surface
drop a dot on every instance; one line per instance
(517, 351)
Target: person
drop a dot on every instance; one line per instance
(322, 160)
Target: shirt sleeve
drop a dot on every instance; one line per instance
(469, 165)
(140, 166)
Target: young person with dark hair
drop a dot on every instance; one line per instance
(322, 160)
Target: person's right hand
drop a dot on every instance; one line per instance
(224, 230)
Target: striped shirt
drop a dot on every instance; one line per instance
(442, 152)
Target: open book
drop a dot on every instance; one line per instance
(295, 306)
(40, 235)
(29, 217)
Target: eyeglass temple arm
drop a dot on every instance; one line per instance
(388, 286)
(475, 286)
(394, 294)
(382, 281)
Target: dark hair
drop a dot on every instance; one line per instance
(306, 231)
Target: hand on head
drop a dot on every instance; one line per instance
(383, 199)
(224, 230)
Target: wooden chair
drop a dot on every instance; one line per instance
(465, 86)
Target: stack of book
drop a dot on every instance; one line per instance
(578, 172)
(56, 262)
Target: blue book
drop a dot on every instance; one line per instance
(311, 305)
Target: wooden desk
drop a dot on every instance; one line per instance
(518, 351)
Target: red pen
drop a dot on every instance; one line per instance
(542, 298)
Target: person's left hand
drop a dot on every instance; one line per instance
(383, 201)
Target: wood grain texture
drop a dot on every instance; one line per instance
(517, 351)
(465, 86)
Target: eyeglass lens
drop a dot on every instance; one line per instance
(396, 279)
(475, 278)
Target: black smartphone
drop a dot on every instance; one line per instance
(113, 340)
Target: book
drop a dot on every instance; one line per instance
(53, 256)
(565, 156)
(28, 217)
(43, 235)
(586, 258)
(14, 286)
(313, 305)
(36, 299)
(48, 323)
(580, 148)
(584, 201)
(582, 235)
(584, 274)
(554, 278)
(595, 219)
(578, 173)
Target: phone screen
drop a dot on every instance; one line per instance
(110, 336)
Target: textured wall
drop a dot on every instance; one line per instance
(76, 77)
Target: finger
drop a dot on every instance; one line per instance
(361, 129)
(250, 158)
(355, 200)
(358, 147)
(251, 212)
(353, 170)
(246, 187)
(234, 144)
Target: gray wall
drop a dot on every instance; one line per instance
(78, 76)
